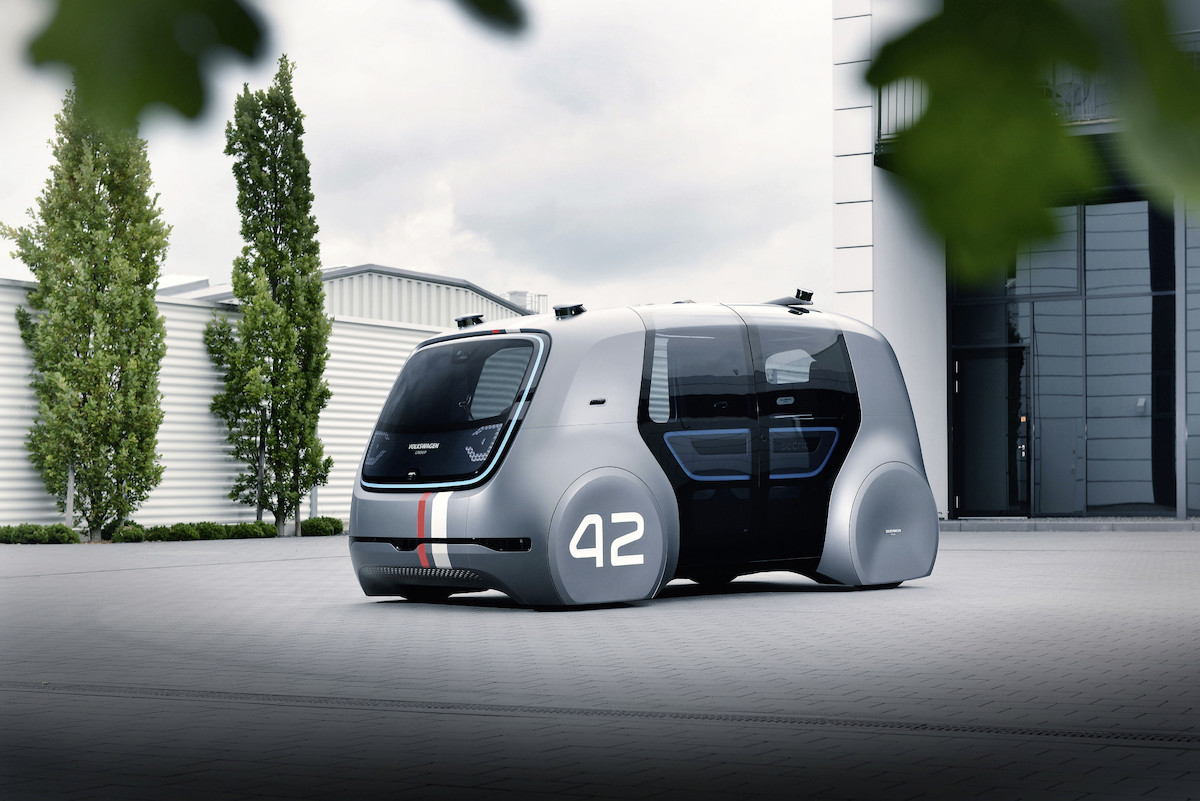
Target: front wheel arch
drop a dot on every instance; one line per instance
(609, 540)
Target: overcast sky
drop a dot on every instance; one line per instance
(620, 152)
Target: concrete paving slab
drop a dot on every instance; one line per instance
(257, 669)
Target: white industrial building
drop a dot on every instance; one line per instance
(379, 315)
(1069, 385)
(530, 301)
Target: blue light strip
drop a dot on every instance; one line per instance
(803, 431)
(500, 449)
(712, 432)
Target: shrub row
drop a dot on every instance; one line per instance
(320, 527)
(32, 534)
(134, 532)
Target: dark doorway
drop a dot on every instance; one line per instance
(991, 431)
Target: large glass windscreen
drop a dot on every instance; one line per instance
(449, 411)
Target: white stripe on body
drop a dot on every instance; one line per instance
(437, 529)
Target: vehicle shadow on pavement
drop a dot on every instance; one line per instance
(676, 591)
(689, 590)
(498, 601)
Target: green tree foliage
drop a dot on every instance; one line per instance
(990, 155)
(273, 358)
(95, 245)
(129, 55)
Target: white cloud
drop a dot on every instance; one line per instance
(27, 105)
(618, 152)
(423, 240)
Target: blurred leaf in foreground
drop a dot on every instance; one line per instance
(504, 16)
(1158, 91)
(131, 54)
(991, 155)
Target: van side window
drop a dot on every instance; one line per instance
(806, 397)
(660, 398)
(698, 374)
(700, 398)
(788, 367)
(804, 359)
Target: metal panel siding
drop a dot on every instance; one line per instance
(23, 499)
(198, 470)
(365, 357)
(395, 299)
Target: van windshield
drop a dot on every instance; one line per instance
(450, 411)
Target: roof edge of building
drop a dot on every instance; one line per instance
(358, 269)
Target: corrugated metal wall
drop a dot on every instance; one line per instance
(22, 496)
(365, 357)
(408, 300)
(198, 470)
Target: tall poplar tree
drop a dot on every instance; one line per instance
(95, 245)
(273, 358)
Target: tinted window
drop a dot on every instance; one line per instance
(698, 374)
(788, 366)
(699, 389)
(800, 451)
(806, 396)
(791, 357)
(750, 411)
(718, 455)
(449, 411)
(1049, 265)
(499, 382)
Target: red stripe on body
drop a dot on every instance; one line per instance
(422, 529)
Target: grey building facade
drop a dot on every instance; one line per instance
(1069, 384)
(379, 315)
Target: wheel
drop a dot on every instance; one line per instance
(608, 542)
(425, 595)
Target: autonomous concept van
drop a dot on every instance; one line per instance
(590, 457)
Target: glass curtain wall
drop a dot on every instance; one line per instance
(1193, 358)
(1063, 372)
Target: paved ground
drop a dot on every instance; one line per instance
(1030, 665)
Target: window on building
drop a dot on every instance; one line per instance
(1079, 417)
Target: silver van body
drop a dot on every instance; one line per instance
(590, 457)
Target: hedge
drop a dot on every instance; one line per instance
(320, 527)
(133, 532)
(31, 534)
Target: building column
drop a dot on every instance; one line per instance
(1181, 366)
